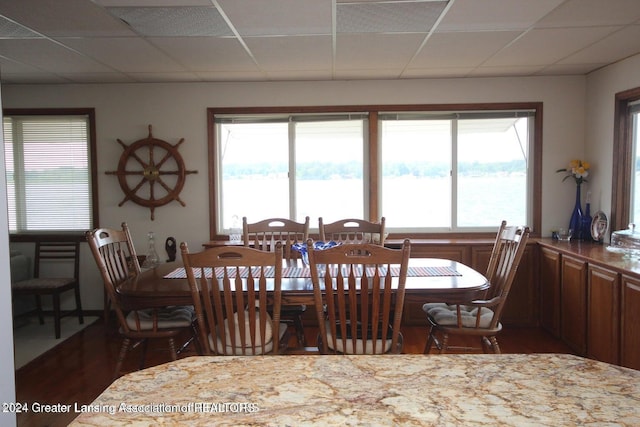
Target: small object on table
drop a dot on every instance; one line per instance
(565, 234)
(170, 247)
(599, 226)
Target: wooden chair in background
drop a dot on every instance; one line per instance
(263, 235)
(231, 296)
(361, 309)
(353, 230)
(40, 284)
(116, 259)
(481, 317)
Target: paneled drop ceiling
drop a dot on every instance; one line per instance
(109, 41)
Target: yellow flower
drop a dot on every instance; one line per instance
(578, 170)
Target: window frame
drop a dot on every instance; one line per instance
(93, 161)
(372, 156)
(622, 149)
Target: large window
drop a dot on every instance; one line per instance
(48, 163)
(290, 166)
(426, 169)
(634, 209)
(625, 194)
(450, 172)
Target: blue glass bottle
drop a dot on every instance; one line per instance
(587, 219)
(575, 223)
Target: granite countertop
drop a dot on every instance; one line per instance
(506, 390)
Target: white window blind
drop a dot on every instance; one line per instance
(48, 173)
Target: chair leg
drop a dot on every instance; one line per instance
(106, 307)
(56, 313)
(79, 305)
(445, 343)
(143, 353)
(124, 348)
(300, 331)
(172, 349)
(39, 309)
(494, 345)
(430, 340)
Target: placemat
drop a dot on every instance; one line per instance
(304, 272)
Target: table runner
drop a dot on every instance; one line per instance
(304, 272)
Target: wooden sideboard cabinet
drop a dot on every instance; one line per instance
(603, 314)
(595, 294)
(550, 290)
(573, 304)
(630, 322)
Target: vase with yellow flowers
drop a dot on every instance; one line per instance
(579, 171)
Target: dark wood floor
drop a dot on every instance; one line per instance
(79, 369)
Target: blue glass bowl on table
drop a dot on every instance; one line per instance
(317, 246)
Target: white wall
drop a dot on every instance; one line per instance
(602, 87)
(7, 374)
(123, 111)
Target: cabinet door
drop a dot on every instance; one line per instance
(573, 307)
(550, 291)
(630, 325)
(521, 307)
(603, 314)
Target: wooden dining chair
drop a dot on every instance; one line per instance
(356, 289)
(353, 230)
(54, 285)
(116, 259)
(480, 317)
(237, 297)
(263, 235)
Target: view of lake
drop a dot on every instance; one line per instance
(407, 202)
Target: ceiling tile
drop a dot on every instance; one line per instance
(279, 17)
(60, 18)
(125, 54)
(206, 53)
(547, 46)
(515, 71)
(299, 75)
(230, 75)
(371, 51)
(292, 53)
(592, 12)
(254, 40)
(164, 77)
(152, 3)
(173, 21)
(491, 15)
(97, 77)
(568, 69)
(47, 55)
(436, 72)
(12, 30)
(366, 74)
(458, 49)
(383, 17)
(620, 44)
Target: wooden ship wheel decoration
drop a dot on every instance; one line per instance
(151, 172)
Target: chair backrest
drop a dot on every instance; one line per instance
(116, 259)
(353, 230)
(508, 249)
(232, 287)
(358, 321)
(264, 234)
(57, 252)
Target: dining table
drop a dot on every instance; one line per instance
(428, 280)
(382, 390)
